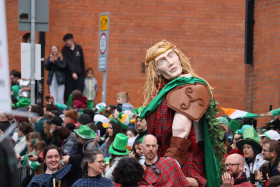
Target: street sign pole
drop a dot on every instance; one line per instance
(103, 50)
(33, 15)
(32, 55)
(104, 86)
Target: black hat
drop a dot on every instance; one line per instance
(84, 119)
(57, 121)
(68, 36)
(70, 126)
(251, 138)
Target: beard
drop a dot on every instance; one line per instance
(151, 156)
(234, 175)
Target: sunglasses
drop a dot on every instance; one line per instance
(156, 170)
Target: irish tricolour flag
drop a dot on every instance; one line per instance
(234, 113)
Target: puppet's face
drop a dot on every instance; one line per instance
(168, 65)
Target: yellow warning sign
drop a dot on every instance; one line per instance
(103, 22)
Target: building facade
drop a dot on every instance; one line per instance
(210, 33)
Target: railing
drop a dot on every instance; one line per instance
(23, 172)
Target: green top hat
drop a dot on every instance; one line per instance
(234, 125)
(119, 145)
(85, 132)
(251, 138)
(223, 120)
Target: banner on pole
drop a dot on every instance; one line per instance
(5, 93)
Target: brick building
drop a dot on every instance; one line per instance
(210, 33)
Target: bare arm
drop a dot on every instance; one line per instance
(181, 126)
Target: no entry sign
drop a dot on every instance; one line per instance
(103, 43)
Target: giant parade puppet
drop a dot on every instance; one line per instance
(181, 112)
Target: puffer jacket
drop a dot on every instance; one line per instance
(70, 144)
(57, 68)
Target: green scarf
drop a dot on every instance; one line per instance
(153, 105)
(211, 167)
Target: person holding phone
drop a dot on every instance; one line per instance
(270, 152)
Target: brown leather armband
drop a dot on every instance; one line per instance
(190, 100)
(178, 149)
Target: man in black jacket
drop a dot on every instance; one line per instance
(75, 73)
(270, 152)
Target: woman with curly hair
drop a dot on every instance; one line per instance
(128, 172)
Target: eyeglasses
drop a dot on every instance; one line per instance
(101, 162)
(157, 171)
(265, 150)
(230, 165)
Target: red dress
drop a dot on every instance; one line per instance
(159, 124)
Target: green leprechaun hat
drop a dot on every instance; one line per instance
(118, 147)
(251, 138)
(234, 125)
(223, 120)
(124, 120)
(85, 132)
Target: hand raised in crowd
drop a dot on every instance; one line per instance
(52, 58)
(32, 157)
(259, 177)
(17, 156)
(65, 159)
(75, 76)
(227, 179)
(96, 139)
(132, 154)
(268, 114)
(49, 99)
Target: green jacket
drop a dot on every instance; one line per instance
(275, 112)
(30, 164)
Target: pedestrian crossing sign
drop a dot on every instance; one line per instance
(103, 22)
